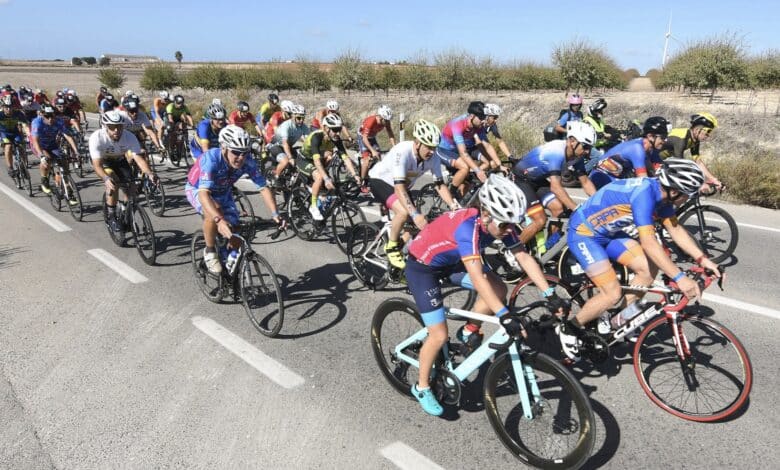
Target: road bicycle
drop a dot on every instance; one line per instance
(687, 363)
(246, 214)
(154, 193)
(713, 228)
(64, 188)
(20, 164)
(251, 281)
(178, 148)
(132, 218)
(536, 407)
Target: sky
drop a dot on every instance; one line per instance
(245, 30)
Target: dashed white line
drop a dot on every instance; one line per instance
(406, 458)
(265, 364)
(765, 311)
(118, 266)
(34, 210)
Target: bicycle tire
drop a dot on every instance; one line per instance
(117, 237)
(718, 249)
(25, 178)
(541, 441)
(261, 295)
(429, 203)
(55, 198)
(212, 285)
(155, 197)
(656, 344)
(301, 220)
(247, 226)
(383, 342)
(76, 210)
(370, 275)
(143, 232)
(343, 219)
(344, 180)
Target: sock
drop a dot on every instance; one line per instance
(469, 329)
(420, 389)
(314, 200)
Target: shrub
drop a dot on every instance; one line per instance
(104, 61)
(159, 77)
(454, 69)
(89, 60)
(753, 178)
(209, 77)
(310, 76)
(765, 70)
(350, 72)
(111, 77)
(584, 66)
(387, 78)
(654, 75)
(76, 61)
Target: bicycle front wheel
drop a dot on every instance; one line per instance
(145, 241)
(714, 230)
(246, 214)
(343, 219)
(261, 295)
(72, 198)
(394, 321)
(366, 255)
(562, 430)
(710, 383)
(155, 197)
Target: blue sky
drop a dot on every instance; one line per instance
(388, 30)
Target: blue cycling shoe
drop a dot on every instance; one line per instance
(428, 402)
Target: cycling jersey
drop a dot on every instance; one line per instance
(66, 115)
(158, 108)
(211, 171)
(106, 105)
(46, 134)
(267, 110)
(599, 126)
(9, 123)
(315, 122)
(270, 128)
(177, 113)
(245, 122)
(315, 145)
(371, 126)
(138, 124)
(569, 115)
(103, 147)
(40, 98)
(290, 131)
(483, 133)
(546, 160)
(678, 141)
(401, 166)
(207, 133)
(458, 131)
(625, 160)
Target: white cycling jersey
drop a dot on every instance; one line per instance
(136, 125)
(400, 164)
(102, 147)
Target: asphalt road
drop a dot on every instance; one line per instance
(100, 372)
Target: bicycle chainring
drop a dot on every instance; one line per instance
(446, 387)
(594, 347)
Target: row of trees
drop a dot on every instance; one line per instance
(577, 65)
(103, 61)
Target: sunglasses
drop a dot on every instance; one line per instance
(503, 226)
(114, 127)
(586, 146)
(299, 118)
(242, 154)
(335, 130)
(48, 116)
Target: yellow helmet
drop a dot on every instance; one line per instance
(704, 119)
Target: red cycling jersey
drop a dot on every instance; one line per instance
(371, 126)
(241, 122)
(270, 128)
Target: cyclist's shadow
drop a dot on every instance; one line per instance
(307, 311)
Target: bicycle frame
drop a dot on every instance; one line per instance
(374, 248)
(481, 355)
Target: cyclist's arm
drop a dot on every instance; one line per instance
(141, 162)
(556, 187)
(347, 161)
(71, 142)
(446, 196)
(210, 208)
(531, 267)
(587, 185)
(367, 144)
(390, 133)
(488, 149)
(287, 149)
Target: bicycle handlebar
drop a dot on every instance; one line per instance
(703, 277)
(525, 321)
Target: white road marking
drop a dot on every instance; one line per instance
(48, 219)
(118, 266)
(265, 364)
(406, 458)
(765, 311)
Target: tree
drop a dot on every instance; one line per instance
(104, 61)
(453, 69)
(76, 61)
(111, 77)
(350, 72)
(765, 70)
(89, 60)
(311, 76)
(387, 78)
(159, 77)
(584, 66)
(178, 56)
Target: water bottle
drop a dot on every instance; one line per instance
(230, 264)
(626, 314)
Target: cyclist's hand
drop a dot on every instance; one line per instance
(358, 180)
(512, 326)
(707, 263)
(281, 223)
(329, 184)
(557, 305)
(565, 214)
(689, 287)
(155, 179)
(223, 227)
(455, 205)
(482, 176)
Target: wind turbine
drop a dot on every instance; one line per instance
(667, 36)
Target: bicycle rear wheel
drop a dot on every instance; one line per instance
(714, 230)
(72, 197)
(345, 215)
(117, 237)
(261, 295)
(212, 285)
(298, 210)
(145, 241)
(428, 202)
(561, 433)
(394, 321)
(710, 384)
(246, 215)
(344, 180)
(155, 197)
(366, 254)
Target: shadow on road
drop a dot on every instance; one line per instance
(6, 253)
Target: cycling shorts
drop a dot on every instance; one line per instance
(590, 250)
(7, 138)
(121, 168)
(383, 193)
(365, 151)
(425, 285)
(224, 201)
(447, 157)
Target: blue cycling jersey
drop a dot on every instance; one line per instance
(546, 160)
(627, 159)
(212, 172)
(47, 133)
(204, 131)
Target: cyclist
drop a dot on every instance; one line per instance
(331, 106)
(277, 119)
(138, 124)
(73, 102)
(243, 118)
(319, 145)
(43, 138)
(367, 144)
(159, 106)
(268, 109)
(597, 235)
(66, 114)
(13, 127)
(458, 140)
(682, 139)
(101, 95)
(9, 91)
(112, 148)
(108, 103)
(606, 135)
(396, 173)
(632, 158)
(286, 135)
(573, 113)
(30, 108)
(451, 248)
(179, 117)
(41, 98)
(209, 184)
(207, 135)
(490, 126)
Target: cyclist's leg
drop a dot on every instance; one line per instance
(629, 253)
(385, 195)
(592, 255)
(7, 147)
(535, 212)
(549, 201)
(600, 179)
(461, 172)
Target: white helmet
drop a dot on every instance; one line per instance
(217, 101)
(502, 199)
(492, 109)
(129, 92)
(332, 105)
(385, 112)
(681, 174)
(112, 117)
(234, 138)
(581, 132)
(216, 111)
(427, 133)
(299, 109)
(71, 92)
(287, 106)
(165, 95)
(332, 121)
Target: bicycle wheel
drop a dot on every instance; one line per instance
(714, 230)
(343, 219)
(155, 197)
(261, 295)
(298, 210)
(25, 180)
(366, 255)
(246, 214)
(561, 433)
(55, 198)
(344, 180)
(394, 321)
(145, 241)
(428, 202)
(212, 285)
(117, 237)
(570, 271)
(72, 197)
(710, 384)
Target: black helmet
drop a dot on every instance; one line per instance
(178, 99)
(273, 98)
(477, 108)
(656, 125)
(103, 90)
(243, 106)
(597, 106)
